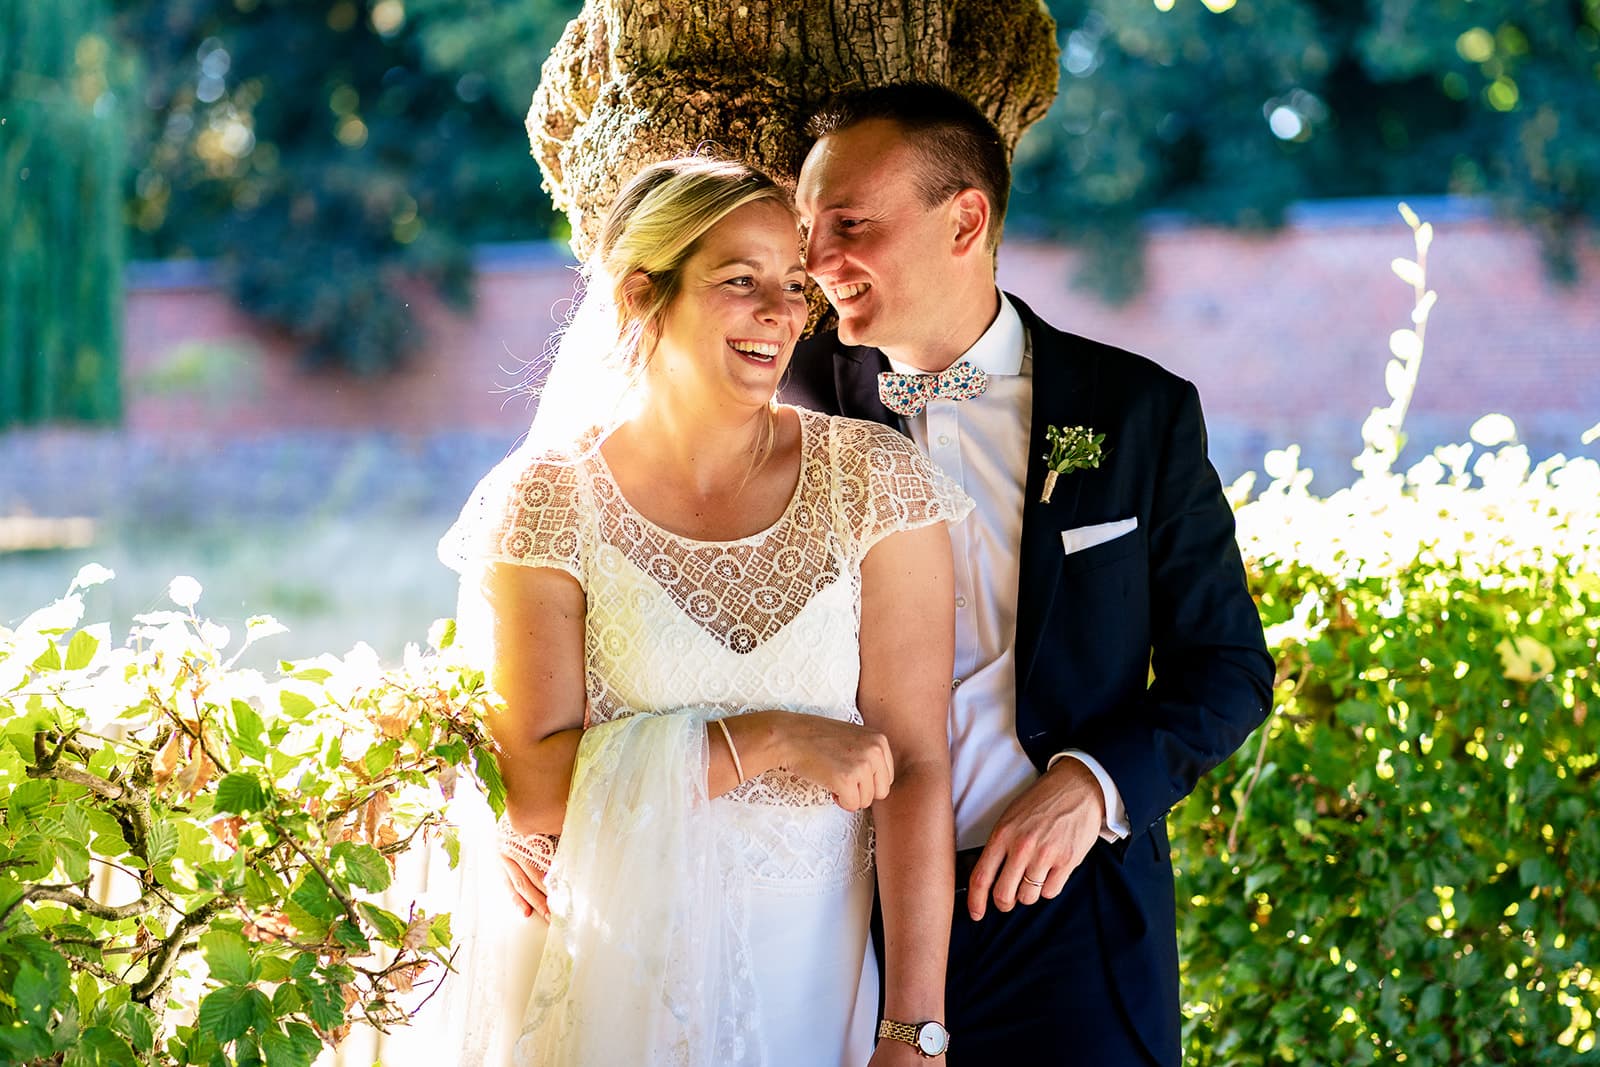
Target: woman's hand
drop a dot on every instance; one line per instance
(899, 1054)
(525, 859)
(850, 761)
(526, 881)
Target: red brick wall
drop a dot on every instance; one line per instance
(1286, 335)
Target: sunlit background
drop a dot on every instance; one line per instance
(271, 272)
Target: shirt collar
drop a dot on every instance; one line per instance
(998, 351)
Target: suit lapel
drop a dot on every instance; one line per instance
(1063, 395)
(855, 376)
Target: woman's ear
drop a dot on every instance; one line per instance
(636, 293)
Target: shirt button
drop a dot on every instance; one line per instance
(961, 601)
(944, 439)
(955, 683)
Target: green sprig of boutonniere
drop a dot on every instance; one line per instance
(1074, 448)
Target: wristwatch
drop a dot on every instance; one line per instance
(929, 1038)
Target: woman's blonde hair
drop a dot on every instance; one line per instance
(654, 227)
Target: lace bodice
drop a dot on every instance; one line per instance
(766, 621)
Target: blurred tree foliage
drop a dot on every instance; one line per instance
(62, 152)
(338, 157)
(1231, 111)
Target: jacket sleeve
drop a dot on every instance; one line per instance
(1212, 675)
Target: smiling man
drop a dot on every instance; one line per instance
(1108, 652)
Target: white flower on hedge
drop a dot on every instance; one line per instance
(184, 591)
(58, 617)
(1493, 429)
(90, 575)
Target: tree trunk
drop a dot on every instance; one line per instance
(635, 81)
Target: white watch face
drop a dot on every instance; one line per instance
(932, 1039)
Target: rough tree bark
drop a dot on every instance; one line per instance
(635, 81)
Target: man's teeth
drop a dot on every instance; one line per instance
(845, 292)
(760, 349)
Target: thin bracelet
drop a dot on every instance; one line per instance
(738, 768)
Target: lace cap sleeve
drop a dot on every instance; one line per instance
(524, 511)
(884, 484)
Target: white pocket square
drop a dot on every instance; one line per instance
(1089, 536)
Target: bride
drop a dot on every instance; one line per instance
(723, 633)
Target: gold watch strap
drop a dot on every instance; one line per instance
(890, 1030)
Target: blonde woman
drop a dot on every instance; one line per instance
(723, 632)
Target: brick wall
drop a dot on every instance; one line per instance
(1286, 335)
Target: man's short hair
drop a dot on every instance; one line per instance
(956, 144)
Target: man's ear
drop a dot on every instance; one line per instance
(969, 216)
(636, 292)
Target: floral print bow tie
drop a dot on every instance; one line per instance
(908, 394)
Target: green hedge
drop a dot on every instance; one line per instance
(63, 113)
(1403, 865)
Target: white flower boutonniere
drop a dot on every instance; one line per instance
(1071, 449)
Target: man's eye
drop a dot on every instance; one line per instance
(850, 224)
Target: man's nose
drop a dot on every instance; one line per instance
(820, 251)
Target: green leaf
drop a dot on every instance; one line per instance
(73, 855)
(296, 705)
(240, 792)
(439, 931)
(281, 1050)
(361, 865)
(286, 999)
(249, 732)
(324, 1003)
(228, 1012)
(315, 898)
(317, 675)
(81, 650)
(350, 936)
(489, 774)
(228, 957)
(139, 1024)
(29, 798)
(379, 757)
(273, 968)
(49, 659)
(163, 841)
(390, 927)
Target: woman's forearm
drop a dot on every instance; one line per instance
(538, 777)
(915, 833)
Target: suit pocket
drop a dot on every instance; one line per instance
(1088, 559)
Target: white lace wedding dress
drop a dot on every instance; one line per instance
(686, 930)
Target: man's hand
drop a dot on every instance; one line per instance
(1042, 836)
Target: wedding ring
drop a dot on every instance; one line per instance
(1039, 882)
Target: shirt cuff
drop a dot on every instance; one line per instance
(1116, 825)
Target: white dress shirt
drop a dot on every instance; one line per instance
(982, 443)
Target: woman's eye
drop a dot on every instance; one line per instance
(744, 281)
(794, 287)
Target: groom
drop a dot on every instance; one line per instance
(1108, 653)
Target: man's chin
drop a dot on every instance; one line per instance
(855, 331)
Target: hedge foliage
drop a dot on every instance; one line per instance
(1403, 865)
(192, 852)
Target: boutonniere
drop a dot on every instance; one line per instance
(1071, 449)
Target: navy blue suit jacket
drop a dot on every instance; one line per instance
(1145, 652)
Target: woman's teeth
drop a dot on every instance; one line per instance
(764, 351)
